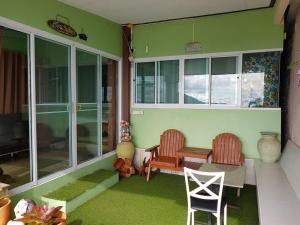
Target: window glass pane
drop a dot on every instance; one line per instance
(145, 82)
(168, 81)
(260, 80)
(224, 81)
(14, 116)
(88, 108)
(87, 77)
(52, 106)
(109, 104)
(223, 65)
(196, 81)
(196, 66)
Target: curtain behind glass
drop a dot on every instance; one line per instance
(168, 81)
(145, 82)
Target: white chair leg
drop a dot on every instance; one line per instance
(193, 218)
(189, 218)
(238, 192)
(225, 215)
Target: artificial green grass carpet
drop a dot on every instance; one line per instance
(162, 201)
(76, 188)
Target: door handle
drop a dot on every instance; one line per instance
(78, 107)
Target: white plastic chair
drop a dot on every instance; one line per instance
(204, 199)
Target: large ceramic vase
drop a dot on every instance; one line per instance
(5, 210)
(125, 150)
(269, 147)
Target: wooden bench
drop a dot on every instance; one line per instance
(278, 188)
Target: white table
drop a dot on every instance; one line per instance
(234, 177)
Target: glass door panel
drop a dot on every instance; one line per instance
(109, 104)
(15, 154)
(88, 119)
(53, 112)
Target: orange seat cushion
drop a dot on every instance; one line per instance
(164, 161)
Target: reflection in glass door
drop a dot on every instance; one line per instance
(15, 154)
(88, 119)
(53, 114)
(109, 104)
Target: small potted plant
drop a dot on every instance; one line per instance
(5, 209)
(125, 150)
(44, 215)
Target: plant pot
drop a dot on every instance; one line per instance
(125, 150)
(62, 223)
(5, 210)
(63, 216)
(269, 147)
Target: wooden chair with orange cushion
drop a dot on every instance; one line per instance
(227, 149)
(163, 156)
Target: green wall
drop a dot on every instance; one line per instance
(36, 192)
(248, 30)
(102, 33)
(200, 126)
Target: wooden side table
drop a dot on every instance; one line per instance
(199, 153)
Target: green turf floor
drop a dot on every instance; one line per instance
(162, 201)
(68, 192)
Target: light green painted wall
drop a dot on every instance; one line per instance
(102, 34)
(248, 30)
(200, 126)
(36, 193)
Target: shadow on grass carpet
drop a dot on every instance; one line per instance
(162, 201)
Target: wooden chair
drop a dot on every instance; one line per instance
(227, 149)
(163, 156)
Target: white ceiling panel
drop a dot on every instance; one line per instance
(144, 11)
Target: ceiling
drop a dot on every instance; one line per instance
(145, 11)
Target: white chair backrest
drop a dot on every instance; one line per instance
(203, 191)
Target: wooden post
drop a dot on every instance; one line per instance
(126, 74)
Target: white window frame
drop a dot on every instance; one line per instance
(32, 34)
(181, 59)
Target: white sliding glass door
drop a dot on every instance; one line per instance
(53, 101)
(58, 106)
(88, 106)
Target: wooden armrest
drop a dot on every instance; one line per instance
(151, 149)
(154, 151)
